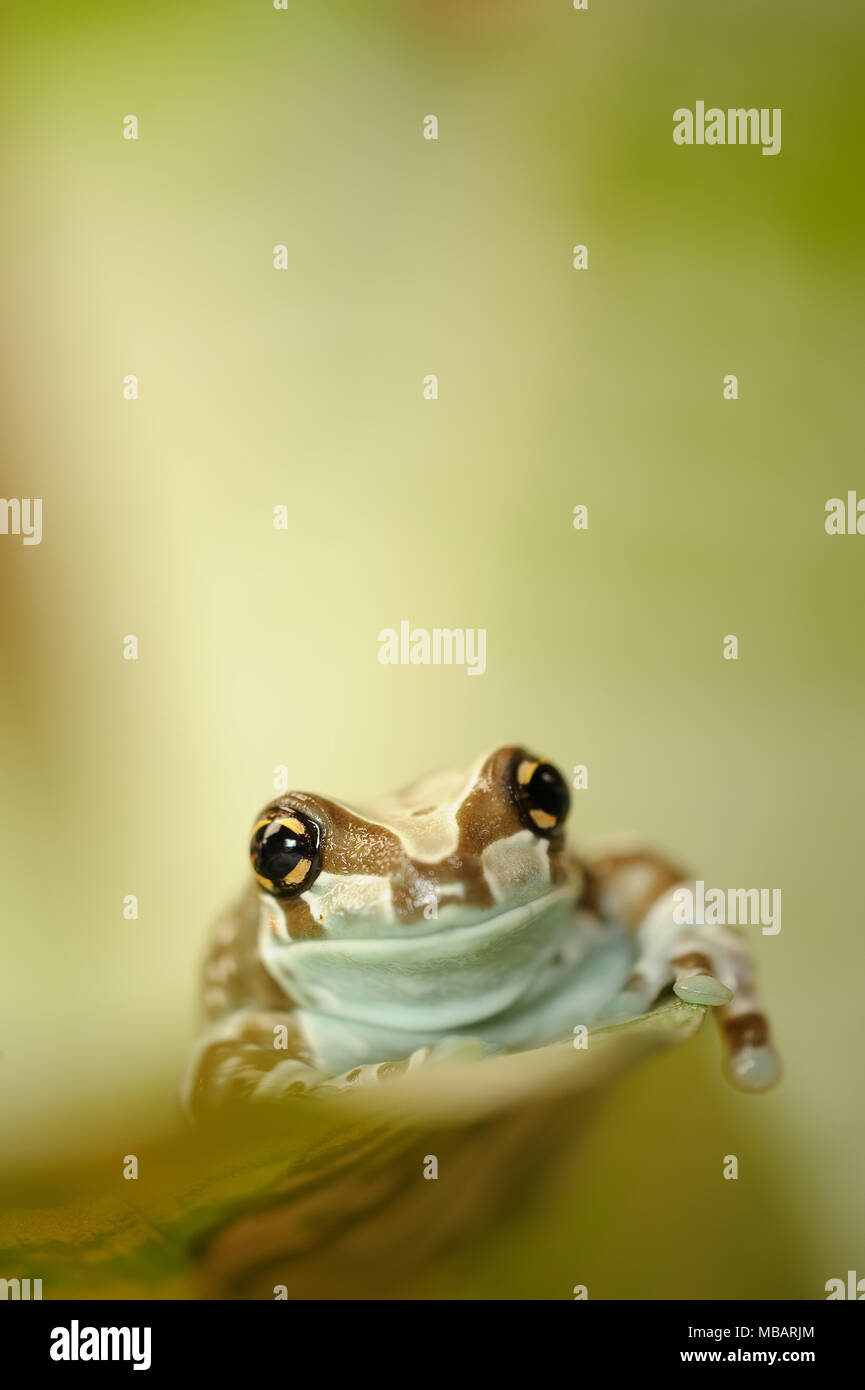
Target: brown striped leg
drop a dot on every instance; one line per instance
(626, 888)
(751, 1060)
(708, 965)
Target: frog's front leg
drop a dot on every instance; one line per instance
(452, 1048)
(708, 965)
(251, 1054)
(259, 1055)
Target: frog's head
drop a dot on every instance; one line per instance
(453, 850)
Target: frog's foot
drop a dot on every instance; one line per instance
(752, 1062)
(695, 982)
(692, 979)
(259, 1057)
(450, 1049)
(709, 966)
(712, 966)
(232, 1071)
(251, 1055)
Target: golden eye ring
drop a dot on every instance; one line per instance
(540, 794)
(285, 852)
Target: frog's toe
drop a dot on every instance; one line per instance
(288, 1078)
(703, 989)
(754, 1068)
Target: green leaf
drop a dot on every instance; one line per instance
(321, 1194)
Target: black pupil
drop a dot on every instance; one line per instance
(280, 851)
(547, 791)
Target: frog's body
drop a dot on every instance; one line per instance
(450, 917)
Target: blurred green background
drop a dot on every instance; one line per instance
(304, 387)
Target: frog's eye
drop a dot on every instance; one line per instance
(284, 853)
(541, 794)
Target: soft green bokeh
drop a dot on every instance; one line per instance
(303, 387)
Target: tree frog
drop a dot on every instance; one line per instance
(448, 920)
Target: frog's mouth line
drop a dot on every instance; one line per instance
(517, 977)
(533, 908)
(450, 916)
(462, 960)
